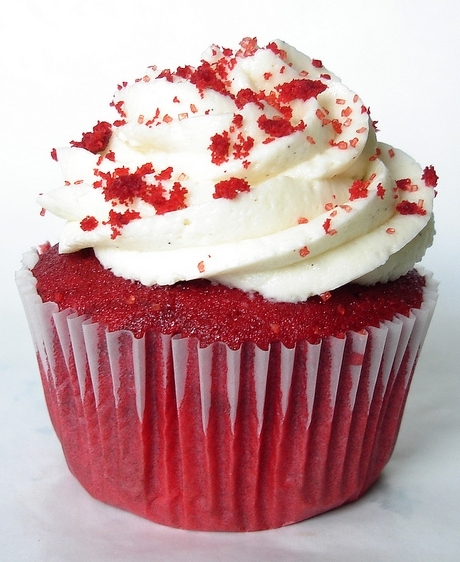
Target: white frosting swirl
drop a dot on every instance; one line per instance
(309, 200)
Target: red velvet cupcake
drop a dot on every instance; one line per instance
(227, 331)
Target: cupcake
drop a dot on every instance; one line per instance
(227, 330)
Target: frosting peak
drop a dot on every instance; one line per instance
(257, 169)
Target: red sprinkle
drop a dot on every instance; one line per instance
(337, 126)
(381, 191)
(280, 52)
(303, 252)
(327, 226)
(354, 142)
(341, 145)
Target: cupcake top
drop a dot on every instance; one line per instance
(213, 312)
(257, 169)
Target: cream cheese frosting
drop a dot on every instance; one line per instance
(258, 169)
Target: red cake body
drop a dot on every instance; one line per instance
(203, 407)
(214, 312)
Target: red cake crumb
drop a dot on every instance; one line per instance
(213, 312)
(410, 208)
(358, 189)
(219, 147)
(280, 52)
(299, 89)
(430, 177)
(405, 184)
(278, 127)
(229, 189)
(96, 140)
(89, 223)
(245, 96)
(205, 76)
(242, 147)
(119, 220)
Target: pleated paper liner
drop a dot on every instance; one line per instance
(217, 439)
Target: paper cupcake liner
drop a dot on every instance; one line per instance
(210, 438)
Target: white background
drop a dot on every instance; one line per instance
(60, 62)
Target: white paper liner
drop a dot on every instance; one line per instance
(98, 412)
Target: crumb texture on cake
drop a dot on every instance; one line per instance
(214, 312)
